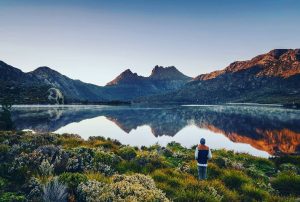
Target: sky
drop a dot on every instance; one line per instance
(95, 40)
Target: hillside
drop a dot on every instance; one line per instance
(73, 90)
(51, 167)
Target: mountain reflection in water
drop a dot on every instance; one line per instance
(274, 130)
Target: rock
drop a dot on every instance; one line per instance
(55, 96)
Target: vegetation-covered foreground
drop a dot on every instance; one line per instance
(51, 167)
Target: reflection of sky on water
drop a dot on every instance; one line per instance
(188, 136)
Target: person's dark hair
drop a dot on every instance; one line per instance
(202, 141)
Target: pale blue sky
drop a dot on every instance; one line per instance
(96, 40)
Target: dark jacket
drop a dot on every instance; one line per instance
(202, 154)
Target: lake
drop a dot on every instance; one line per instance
(259, 130)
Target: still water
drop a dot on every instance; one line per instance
(259, 130)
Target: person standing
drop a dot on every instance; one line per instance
(202, 154)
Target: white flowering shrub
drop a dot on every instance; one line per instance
(184, 167)
(104, 169)
(46, 169)
(80, 159)
(136, 187)
(108, 158)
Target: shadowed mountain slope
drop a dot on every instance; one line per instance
(269, 78)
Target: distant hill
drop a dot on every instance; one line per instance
(273, 77)
(73, 90)
(20, 87)
(35, 87)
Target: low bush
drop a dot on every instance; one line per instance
(234, 179)
(123, 188)
(213, 171)
(287, 183)
(72, 180)
(107, 158)
(295, 160)
(251, 193)
(127, 153)
(12, 197)
(288, 167)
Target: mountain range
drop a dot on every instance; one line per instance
(268, 78)
(273, 77)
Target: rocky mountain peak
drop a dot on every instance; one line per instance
(276, 53)
(44, 69)
(276, 63)
(45, 72)
(128, 72)
(125, 77)
(168, 73)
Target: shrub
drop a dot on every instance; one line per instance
(104, 169)
(46, 169)
(167, 152)
(71, 141)
(96, 176)
(4, 149)
(288, 167)
(150, 160)
(94, 191)
(80, 159)
(287, 183)
(184, 167)
(132, 166)
(228, 195)
(251, 193)
(169, 176)
(72, 180)
(127, 153)
(123, 188)
(175, 146)
(213, 171)
(107, 158)
(265, 165)
(194, 190)
(54, 191)
(256, 173)
(220, 161)
(3, 183)
(234, 179)
(34, 190)
(12, 197)
(287, 159)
